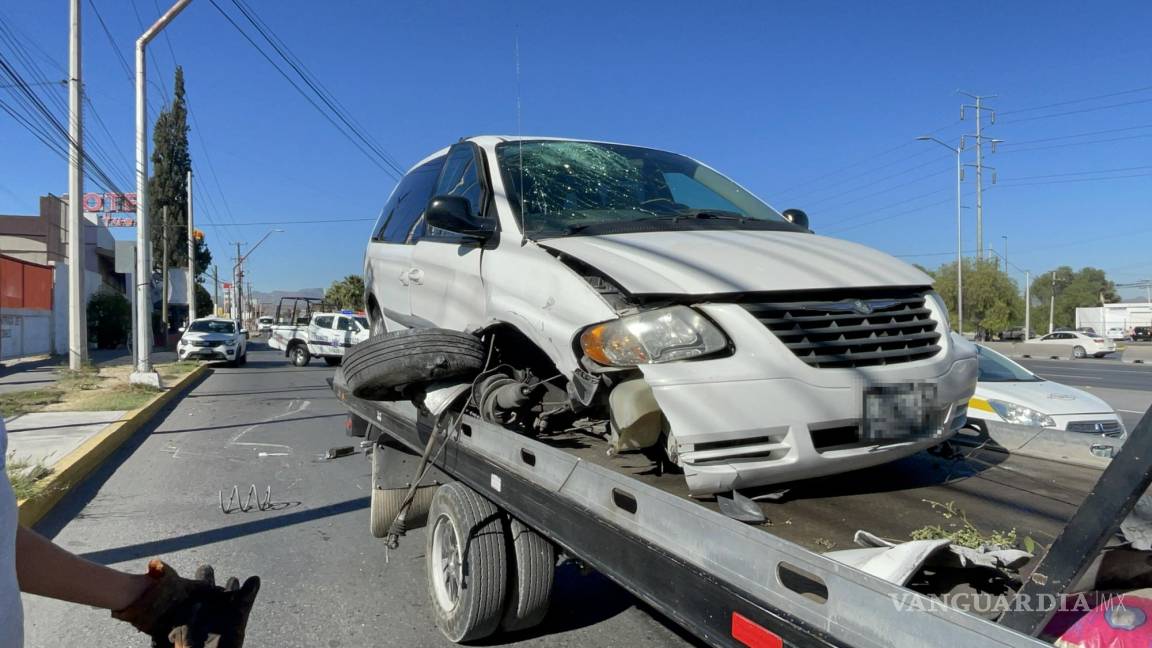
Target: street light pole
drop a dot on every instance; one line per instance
(144, 373)
(1052, 305)
(959, 232)
(238, 273)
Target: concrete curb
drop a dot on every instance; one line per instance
(76, 465)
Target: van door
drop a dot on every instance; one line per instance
(389, 262)
(446, 290)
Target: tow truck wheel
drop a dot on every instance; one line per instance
(300, 355)
(530, 583)
(467, 564)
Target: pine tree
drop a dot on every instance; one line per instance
(167, 188)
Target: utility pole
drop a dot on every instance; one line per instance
(215, 290)
(1052, 305)
(77, 327)
(1027, 305)
(164, 272)
(191, 255)
(237, 273)
(144, 373)
(979, 136)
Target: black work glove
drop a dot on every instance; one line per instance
(204, 610)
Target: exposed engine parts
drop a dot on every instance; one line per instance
(517, 399)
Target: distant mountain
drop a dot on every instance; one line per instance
(274, 297)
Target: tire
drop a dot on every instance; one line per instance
(379, 368)
(467, 563)
(376, 324)
(1078, 352)
(385, 503)
(243, 359)
(299, 355)
(332, 361)
(533, 565)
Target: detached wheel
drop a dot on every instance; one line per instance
(467, 563)
(1079, 353)
(530, 583)
(332, 361)
(300, 355)
(379, 368)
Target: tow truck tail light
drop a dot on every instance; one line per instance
(751, 634)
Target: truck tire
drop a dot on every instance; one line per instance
(530, 581)
(332, 361)
(467, 563)
(379, 368)
(299, 355)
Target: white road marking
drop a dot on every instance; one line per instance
(1069, 376)
(1130, 411)
(289, 411)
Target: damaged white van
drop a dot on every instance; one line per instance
(641, 296)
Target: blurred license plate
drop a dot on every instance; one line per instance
(898, 412)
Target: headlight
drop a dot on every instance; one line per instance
(662, 335)
(1021, 415)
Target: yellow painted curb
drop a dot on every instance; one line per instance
(76, 465)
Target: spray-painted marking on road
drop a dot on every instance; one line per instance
(235, 441)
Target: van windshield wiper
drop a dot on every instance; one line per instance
(687, 215)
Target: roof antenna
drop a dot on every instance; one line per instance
(520, 144)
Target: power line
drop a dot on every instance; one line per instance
(1069, 144)
(111, 41)
(1075, 101)
(1081, 110)
(1075, 180)
(1074, 135)
(874, 169)
(886, 190)
(1076, 173)
(308, 222)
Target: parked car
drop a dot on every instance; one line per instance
(265, 324)
(1116, 333)
(1080, 345)
(639, 293)
(1014, 334)
(326, 335)
(1007, 394)
(213, 339)
(1142, 333)
(1086, 330)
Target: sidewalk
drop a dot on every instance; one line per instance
(46, 437)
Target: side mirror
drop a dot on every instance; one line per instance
(454, 214)
(244, 332)
(796, 217)
(181, 329)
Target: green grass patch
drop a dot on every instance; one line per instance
(125, 397)
(85, 379)
(32, 400)
(27, 478)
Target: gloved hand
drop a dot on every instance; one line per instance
(197, 605)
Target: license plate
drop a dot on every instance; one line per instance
(899, 412)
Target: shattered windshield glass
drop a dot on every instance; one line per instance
(565, 187)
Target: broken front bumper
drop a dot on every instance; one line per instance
(762, 416)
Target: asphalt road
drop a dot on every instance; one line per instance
(326, 581)
(1126, 387)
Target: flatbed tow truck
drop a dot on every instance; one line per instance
(727, 582)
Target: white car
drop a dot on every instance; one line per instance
(264, 324)
(1118, 334)
(213, 339)
(1007, 394)
(325, 335)
(1080, 345)
(641, 294)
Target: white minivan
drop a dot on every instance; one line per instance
(641, 295)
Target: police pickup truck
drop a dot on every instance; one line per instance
(325, 335)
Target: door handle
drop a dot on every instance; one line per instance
(415, 275)
(404, 277)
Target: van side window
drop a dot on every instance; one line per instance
(407, 203)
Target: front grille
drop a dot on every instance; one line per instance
(201, 343)
(853, 331)
(1107, 428)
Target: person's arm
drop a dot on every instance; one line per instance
(48, 570)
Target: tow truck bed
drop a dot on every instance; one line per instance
(712, 574)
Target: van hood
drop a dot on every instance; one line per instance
(735, 261)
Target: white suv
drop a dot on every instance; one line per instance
(642, 295)
(213, 338)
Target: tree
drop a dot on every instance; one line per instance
(346, 293)
(109, 319)
(204, 305)
(992, 301)
(1074, 289)
(168, 186)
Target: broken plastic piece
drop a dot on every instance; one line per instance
(343, 451)
(740, 508)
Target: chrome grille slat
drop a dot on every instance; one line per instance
(829, 333)
(1089, 427)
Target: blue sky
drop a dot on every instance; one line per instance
(812, 105)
